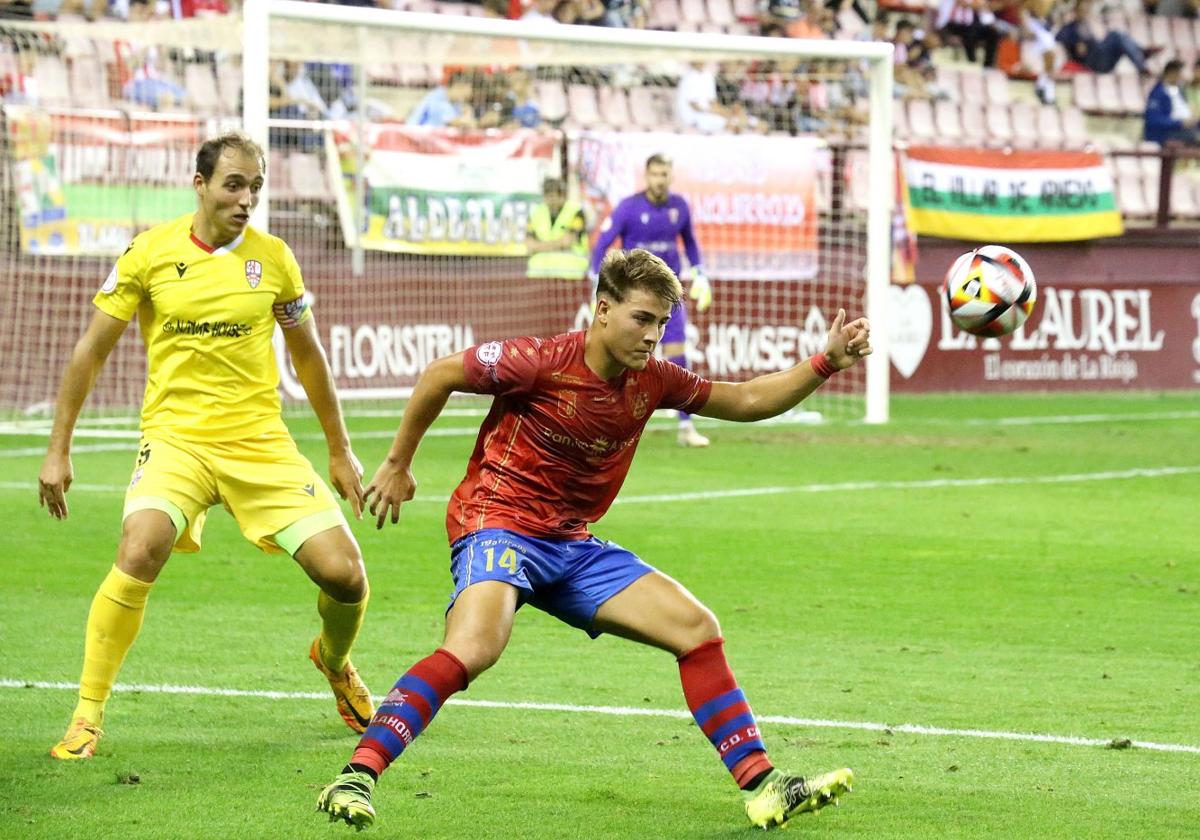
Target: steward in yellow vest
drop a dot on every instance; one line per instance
(557, 235)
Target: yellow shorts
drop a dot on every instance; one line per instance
(264, 482)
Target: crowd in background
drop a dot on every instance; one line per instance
(766, 96)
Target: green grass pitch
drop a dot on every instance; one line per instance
(862, 576)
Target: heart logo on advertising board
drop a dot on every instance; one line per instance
(911, 326)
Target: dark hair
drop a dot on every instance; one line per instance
(904, 26)
(623, 271)
(211, 151)
(660, 158)
(1172, 66)
(553, 185)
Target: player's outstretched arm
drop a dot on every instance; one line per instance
(87, 359)
(393, 483)
(312, 369)
(774, 393)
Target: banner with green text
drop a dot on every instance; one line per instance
(442, 191)
(87, 181)
(992, 195)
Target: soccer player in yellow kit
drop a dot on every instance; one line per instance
(208, 291)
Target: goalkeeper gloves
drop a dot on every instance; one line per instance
(701, 290)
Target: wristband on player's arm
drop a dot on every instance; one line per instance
(821, 366)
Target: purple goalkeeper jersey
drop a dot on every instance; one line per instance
(654, 227)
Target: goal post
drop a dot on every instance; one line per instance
(413, 238)
(360, 36)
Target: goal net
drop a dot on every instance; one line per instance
(444, 179)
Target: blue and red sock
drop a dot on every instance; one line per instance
(408, 709)
(722, 713)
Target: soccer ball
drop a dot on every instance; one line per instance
(990, 291)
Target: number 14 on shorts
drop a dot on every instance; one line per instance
(508, 560)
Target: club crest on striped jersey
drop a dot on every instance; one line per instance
(253, 273)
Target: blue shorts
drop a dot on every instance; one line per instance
(676, 331)
(569, 579)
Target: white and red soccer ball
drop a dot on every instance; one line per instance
(990, 291)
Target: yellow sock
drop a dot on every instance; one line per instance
(339, 629)
(113, 623)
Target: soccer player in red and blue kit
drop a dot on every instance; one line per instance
(655, 220)
(551, 455)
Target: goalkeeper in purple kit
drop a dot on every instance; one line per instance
(655, 220)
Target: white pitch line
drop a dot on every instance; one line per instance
(75, 450)
(928, 484)
(42, 427)
(1079, 418)
(623, 711)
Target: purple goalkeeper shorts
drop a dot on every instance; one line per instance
(569, 579)
(676, 331)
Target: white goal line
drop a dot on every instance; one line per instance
(570, 708)
(925, 484)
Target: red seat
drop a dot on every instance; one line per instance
(1131, 197)
(584, 110)
(1108, 95)
(552, 100)
(920, 120)
(1083, 91)
(646, 110)
(88, 78)
(1075, 133)
(948, 121)
(995, 84)
(614, 106)
(306, 177)
(664, 14)
(974, 126)
(1025, 125)
(974, 87)
(1133, 99)
(693, 11)
(721, 13)
(1050, 128)
(999, 125)
(1184, 204)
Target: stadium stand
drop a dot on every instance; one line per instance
(962, 104)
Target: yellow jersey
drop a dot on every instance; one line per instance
(207, 317)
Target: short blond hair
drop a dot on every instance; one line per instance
(623, 271)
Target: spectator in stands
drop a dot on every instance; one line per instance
(769, 93)
(777, 14)
(580, 11)
(557, 235)
(20, 85)
(1193, 89)
(149, 87)
(815, 21)
(628, 14)
(447, 105)
(1079, 37)
(297, 97)
(1038, 27)
(1172, 8)
(16, 10)
(970, 23)
(521, 110)
(907, 57)
(696, 104)
(541, 11)
(1168, 117)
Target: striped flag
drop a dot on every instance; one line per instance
(986, 195)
